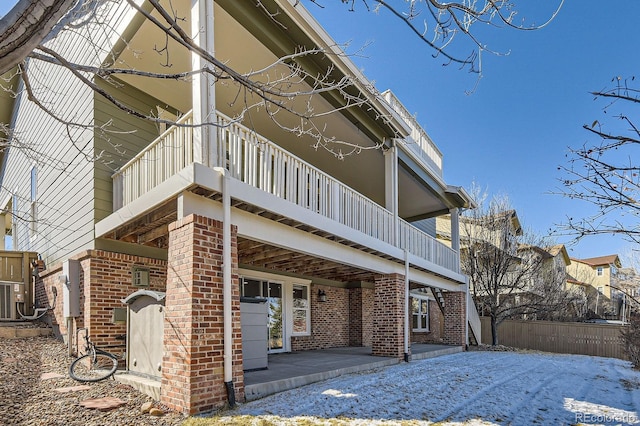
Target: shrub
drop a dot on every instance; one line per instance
(631, 340)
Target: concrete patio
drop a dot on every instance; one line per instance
(291, 370)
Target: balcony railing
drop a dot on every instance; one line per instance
(171, 152)
(262, 164)
(421, 143)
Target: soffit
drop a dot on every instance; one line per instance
(282, 35)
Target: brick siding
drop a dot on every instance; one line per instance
(192, 366)
(454, 318)
(388, 321)
(105, 279)
(361, 302)
(329, 321)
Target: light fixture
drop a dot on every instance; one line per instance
(322, 296)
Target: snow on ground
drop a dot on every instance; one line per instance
(472, 387)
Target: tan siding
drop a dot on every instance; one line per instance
(65, 167)
(129, 136)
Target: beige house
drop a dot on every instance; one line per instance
(597, 272)
(201, 218)
(496, 234)
(596, 277)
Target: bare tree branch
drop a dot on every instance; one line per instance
(606, 174)
(511, 274)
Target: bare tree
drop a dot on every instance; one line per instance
(604, 173)
(30, 24)
(509, 270)
(285, 89)
(436, 23)
(26, 26)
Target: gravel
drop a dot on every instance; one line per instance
(25, 399)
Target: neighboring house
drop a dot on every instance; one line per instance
(496, 236)
(558, 262)
(549, 282)
(492, 234)
(471, 229)
(596, 276)
(627, 283)
(201, 219)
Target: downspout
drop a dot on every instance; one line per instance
(407, 357)
(227, 287)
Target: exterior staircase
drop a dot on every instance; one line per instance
(474, 318)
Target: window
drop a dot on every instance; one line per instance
(301, 315)
(14, 221)
(600, 289)
(33, 210)
(599, 270)
(420, 311)
(34, 177)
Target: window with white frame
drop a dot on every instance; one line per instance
(289, 305)
(301, 317)
(14, 221)
(33, 207)
(420, 313)
(599, 270)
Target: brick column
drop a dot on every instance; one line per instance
(361, 302)
(355, 317)
(454, 318)
(388, 316)
(192, 365)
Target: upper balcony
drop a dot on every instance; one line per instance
(418, 142)
(260, 163)
(368, 199)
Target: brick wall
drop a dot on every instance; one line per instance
(388, 322)
(329, 321)
(105, 279)
(45, 283)
(454, 318)
(192, 366)
(355, 317)
(368, 305)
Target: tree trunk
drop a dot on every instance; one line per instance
(494, 331)
(25, 26)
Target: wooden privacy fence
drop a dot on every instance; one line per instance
(559, 337)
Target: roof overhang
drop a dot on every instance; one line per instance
(295, 29)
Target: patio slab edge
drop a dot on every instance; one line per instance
(260, 390)
(436, 353)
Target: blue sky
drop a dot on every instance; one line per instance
(512, 133)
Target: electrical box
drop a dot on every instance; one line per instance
(70, 279)
(119, 316)
(140, 276)
(18, 292)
